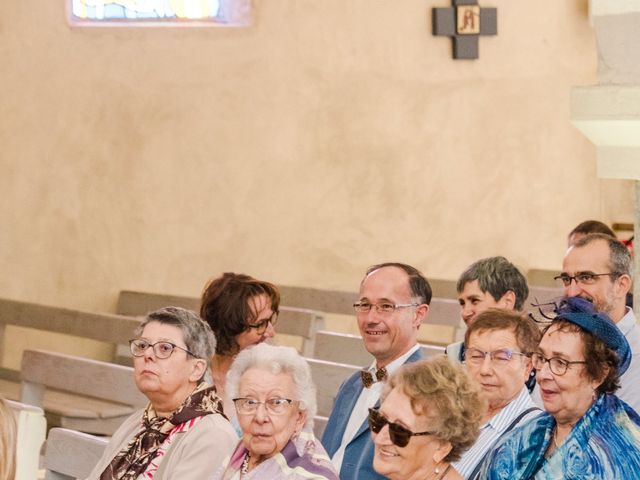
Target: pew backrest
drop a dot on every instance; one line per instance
(443, 311)
(538, 277)
(31, 430)
(89, 395)
(70, 454)
(134, 303)
(319, 424)
(299, 322)
(349, 349)
(541, 295)
(105, 327)
(328, 376)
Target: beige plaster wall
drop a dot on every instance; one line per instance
(328, 136)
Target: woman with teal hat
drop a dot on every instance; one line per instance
(586, 432)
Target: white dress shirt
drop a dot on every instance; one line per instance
(629, 390)
(491, 431)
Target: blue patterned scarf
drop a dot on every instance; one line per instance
(604, 444)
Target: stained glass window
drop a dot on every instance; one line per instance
(160, 12)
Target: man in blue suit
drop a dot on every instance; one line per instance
(394, 300)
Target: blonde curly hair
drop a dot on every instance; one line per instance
(451, 399)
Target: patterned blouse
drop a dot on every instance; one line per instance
(604, 444)
(302, 458)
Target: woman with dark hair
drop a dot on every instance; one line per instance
(242, 312)
(586, 432)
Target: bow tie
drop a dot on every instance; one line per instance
(368, 377)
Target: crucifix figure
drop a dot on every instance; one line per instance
(464, 23)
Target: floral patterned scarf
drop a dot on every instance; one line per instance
(134, 459)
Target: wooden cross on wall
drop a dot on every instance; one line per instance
(465, 22)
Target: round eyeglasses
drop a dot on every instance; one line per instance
(273, 406)
(160, 349)
(557, 365)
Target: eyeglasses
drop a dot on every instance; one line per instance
(558, 366)
(384, 308)
(160, 349)
(499, 357)
(261, 326)
(583, 278)
(274, 406)
(398, 434)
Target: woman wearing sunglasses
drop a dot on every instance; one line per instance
(242, 312)
(430, 414)
(182, 433)
(275, 400)
(587, 432)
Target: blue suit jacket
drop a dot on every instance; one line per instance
(358, 456)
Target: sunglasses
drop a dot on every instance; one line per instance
(399, 435)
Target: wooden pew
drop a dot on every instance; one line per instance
(542, 295)
(298, 322)
(349, 349)
(319, 424)
(341, 302)
(31, 429)
(328, 376)
(538, 277)
(70, 454)
(104, 327)
(109, 328)
(90, 396)
(443, 311)
(137, 304)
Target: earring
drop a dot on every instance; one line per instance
(437, 471)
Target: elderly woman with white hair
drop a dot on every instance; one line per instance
(275, 400)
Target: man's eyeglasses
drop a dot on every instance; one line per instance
(274, 406)
(499, 357)
(558, 366)
(398, 434)
(160, 349)
(261, 326)
(384, 308)
(582, 278)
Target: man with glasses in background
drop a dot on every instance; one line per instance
(394, 301)
(599, 269)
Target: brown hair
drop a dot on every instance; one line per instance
(452, 399)
(524, 328)
(226, 307)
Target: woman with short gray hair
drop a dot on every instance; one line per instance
(275, 401)
(183, 432)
